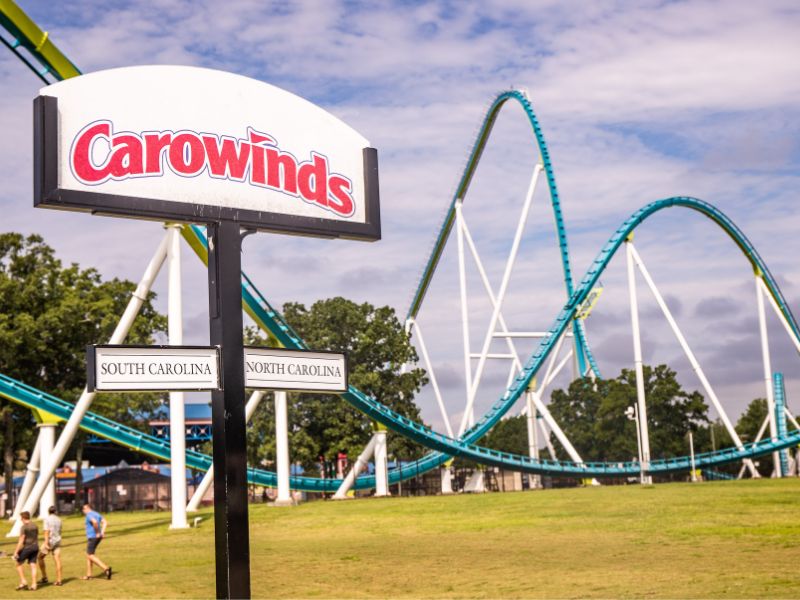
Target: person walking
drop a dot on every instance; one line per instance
(95, 532)
(52, 544)
(27, 550)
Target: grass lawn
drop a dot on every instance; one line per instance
(724, 539)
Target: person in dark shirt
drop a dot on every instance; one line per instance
(27, 550)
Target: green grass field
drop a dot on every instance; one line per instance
(726, 539)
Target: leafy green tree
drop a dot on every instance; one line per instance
(509, 435)
(748, 426)
(592, 414)
(323, 424)
(751, 420)
(49, 313)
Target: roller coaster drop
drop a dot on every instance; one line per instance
(25, 35)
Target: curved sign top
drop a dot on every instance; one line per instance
(199, 145)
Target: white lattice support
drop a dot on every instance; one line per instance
(690, 356)
(432, 375)
(780, 315)
(500, 297)
(638, 367)
(762, 326)
(493, 300)
(462, 281)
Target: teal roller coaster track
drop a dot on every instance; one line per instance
(27, 35)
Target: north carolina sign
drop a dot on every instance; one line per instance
(190, 144)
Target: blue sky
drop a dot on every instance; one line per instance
(637, 100)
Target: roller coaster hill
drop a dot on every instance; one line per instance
(37, 50)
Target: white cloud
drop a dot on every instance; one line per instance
(637, 100)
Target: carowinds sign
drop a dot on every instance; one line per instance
(192, 144)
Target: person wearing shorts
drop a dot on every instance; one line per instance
(27, 550)
(95, 532)
(52, 544)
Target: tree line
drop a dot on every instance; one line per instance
(593, 416)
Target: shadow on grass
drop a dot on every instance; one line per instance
(74, 539)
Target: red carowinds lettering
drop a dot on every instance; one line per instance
(256, 160)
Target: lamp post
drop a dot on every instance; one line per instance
(633, 415)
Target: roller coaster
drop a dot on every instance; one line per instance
(38, 52)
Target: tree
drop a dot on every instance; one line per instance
(751, 420)
(322, 424)
(748, 426)
(592, 414)
(509, 435)
(49, 313)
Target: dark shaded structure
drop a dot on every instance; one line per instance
(129, 489)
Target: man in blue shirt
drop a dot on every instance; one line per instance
(95, 532)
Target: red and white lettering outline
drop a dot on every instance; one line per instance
(184, 160)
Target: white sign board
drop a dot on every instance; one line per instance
(152, 368)
(199, 145)
(279, 369)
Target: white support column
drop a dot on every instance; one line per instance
(381, 463)
(773, 426)
(691, 454)
(462, 282)
(282, 449)
(351, 476)
(533, 438)
(208, 478)
(501, 294)
(85, 401)
(638, 441)
(691, 357)
(576, 371)
(637, 359)
(177, 414)
(447, 477)
(32, 470)
(47, 440)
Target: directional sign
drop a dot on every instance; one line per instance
(152, 368)
(305, 371)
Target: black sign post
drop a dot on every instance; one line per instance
(231, 529)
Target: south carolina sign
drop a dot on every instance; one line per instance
(190, 144)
